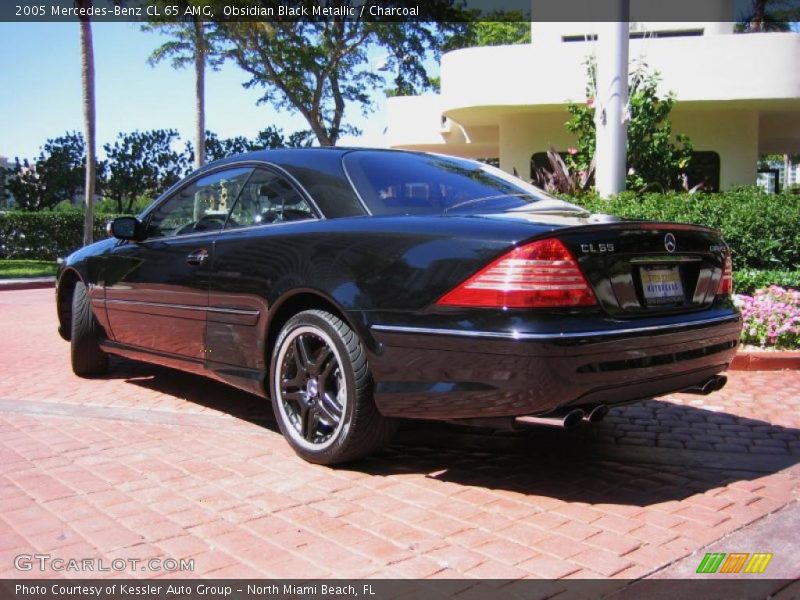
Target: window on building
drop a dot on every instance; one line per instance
(637, 35)
(539, 160)
(704, 168)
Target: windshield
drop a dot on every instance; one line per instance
(409, 183)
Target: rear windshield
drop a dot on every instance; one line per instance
(409, 183)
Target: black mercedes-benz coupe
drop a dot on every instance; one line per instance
(356, 287)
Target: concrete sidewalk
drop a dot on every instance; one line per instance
(776, 533)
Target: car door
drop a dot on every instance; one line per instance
(251, 256)
(157, 289)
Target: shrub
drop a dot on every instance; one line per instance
(747, 281)
(45, 235)
(771, 317)
(654, 160)
(763, 230)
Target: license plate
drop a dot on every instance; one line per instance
(661, 285)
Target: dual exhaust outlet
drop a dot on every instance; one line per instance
(566, 419)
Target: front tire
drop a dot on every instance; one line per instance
(321, 390)
(87, 357)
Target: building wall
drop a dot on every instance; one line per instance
(523, 134)
(733, 134)
(737, 95)
(755, 68)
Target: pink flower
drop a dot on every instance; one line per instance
(590, 101)
(572, 151)
(771, 316)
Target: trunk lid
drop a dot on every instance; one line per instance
(648, 268)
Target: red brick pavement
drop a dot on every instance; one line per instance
(148, 462)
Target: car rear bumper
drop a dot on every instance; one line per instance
(453, 374)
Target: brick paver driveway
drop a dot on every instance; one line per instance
(148, 462)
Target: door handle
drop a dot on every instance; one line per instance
(198, 257)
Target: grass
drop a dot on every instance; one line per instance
(10, 269)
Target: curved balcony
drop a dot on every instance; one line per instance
(750, 70)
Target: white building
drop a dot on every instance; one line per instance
(738, 95)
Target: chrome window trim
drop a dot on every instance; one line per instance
(202, 172)
(145, 216)
(516, 335)
(353, 185)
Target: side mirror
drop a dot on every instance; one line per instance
(125, 228)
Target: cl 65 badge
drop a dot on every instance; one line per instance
(597, 248)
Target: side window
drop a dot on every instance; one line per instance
(268, 198)
(201, 206)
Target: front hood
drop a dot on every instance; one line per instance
(94, 249)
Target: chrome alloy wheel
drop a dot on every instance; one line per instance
(310, 388)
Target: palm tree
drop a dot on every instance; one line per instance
(770, 15)
(189, 45)
(200, 92)
(89, 119)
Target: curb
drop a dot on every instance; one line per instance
(765, 361)
(32, 283)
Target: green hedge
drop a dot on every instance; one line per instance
(762, 230)
(747, 281)
(45, 235)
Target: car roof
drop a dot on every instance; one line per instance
(297, 157)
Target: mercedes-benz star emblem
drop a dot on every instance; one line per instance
(669, 242)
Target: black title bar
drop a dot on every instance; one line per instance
(392, 10)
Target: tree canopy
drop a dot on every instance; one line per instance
(496, 29)
(318, 68)
(56, 175)
(141, 163)
(271, 137)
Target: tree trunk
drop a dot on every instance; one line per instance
(787, 171)
(759, 14)
(87, 82)
(200, 92)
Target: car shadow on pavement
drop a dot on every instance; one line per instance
(645, 453)
(196, 389)
(641, 454)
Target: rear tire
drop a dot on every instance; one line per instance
(321, 390)
(87, 357)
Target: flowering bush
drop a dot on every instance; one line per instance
(771, 317)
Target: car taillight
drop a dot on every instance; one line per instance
(726, 282)
(538, 275)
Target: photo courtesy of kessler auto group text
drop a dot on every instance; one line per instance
(322, 299)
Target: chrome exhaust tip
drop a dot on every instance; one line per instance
(566, 420)
(597, 414)
(712, 384)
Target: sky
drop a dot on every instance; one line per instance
(40, 93)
